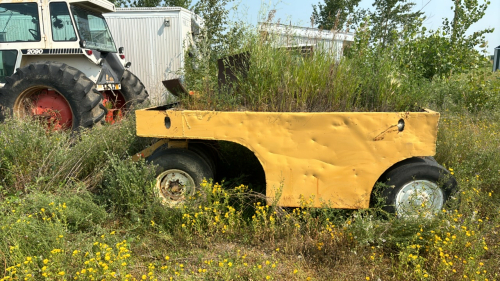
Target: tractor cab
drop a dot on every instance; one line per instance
(29, 28)
(61, 39)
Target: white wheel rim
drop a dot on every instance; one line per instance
(419, 198)
(174, 186)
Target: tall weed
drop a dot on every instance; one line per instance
(287, 79)
(33, 158)
(128, 187)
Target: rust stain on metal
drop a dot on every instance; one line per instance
(381, 136)
(149, 150)
(333, 157)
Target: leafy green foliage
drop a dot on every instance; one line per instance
(466, 13)
(390, 17)
(447, 50)
(420, 52)
(128, 187)
(336, 14)
(215, 16)
(218, 38)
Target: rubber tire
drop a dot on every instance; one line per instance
(78, 90)
(396, 178)
(184, 160)
(207, 151)
(133, 90)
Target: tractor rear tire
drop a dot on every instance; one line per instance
(72, 85)
(133, 90)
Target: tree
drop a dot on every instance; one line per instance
(335, 13)
(466, 13)
(390, 17)
(218, 38)
(215, 16)
(448, 50)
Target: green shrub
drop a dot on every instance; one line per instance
(128, 187)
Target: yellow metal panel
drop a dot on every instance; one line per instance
(334, 157)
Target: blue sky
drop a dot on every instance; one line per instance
(299, 12)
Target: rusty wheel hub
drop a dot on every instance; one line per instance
(174, 186)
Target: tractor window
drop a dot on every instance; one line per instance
(62, 26)
(93, 29)
(19, 22)
(7, 63)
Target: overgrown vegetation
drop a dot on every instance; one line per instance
(387, 68)
(121, 231)
(280, 79)
(74, 206)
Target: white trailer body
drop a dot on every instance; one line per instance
(155, 42)
(307, 38)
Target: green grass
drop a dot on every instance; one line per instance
(112, 227)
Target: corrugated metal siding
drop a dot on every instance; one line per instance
(17, 28)
(186, 32)
(66, 33)
(154, 49)
(334, 47)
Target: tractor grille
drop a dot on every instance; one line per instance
(66, 51)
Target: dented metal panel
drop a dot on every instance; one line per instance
(336, 158)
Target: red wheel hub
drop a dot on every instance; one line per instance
(50, 105)
(115, 103)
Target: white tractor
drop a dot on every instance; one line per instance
(58, 62)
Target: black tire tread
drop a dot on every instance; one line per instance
(429, 170)
(78, 90)
(207, 152)
(133, 90)
(184, 160)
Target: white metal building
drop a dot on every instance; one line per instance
(330, 41)
(155, 40)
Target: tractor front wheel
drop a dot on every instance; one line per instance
(55, 92)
